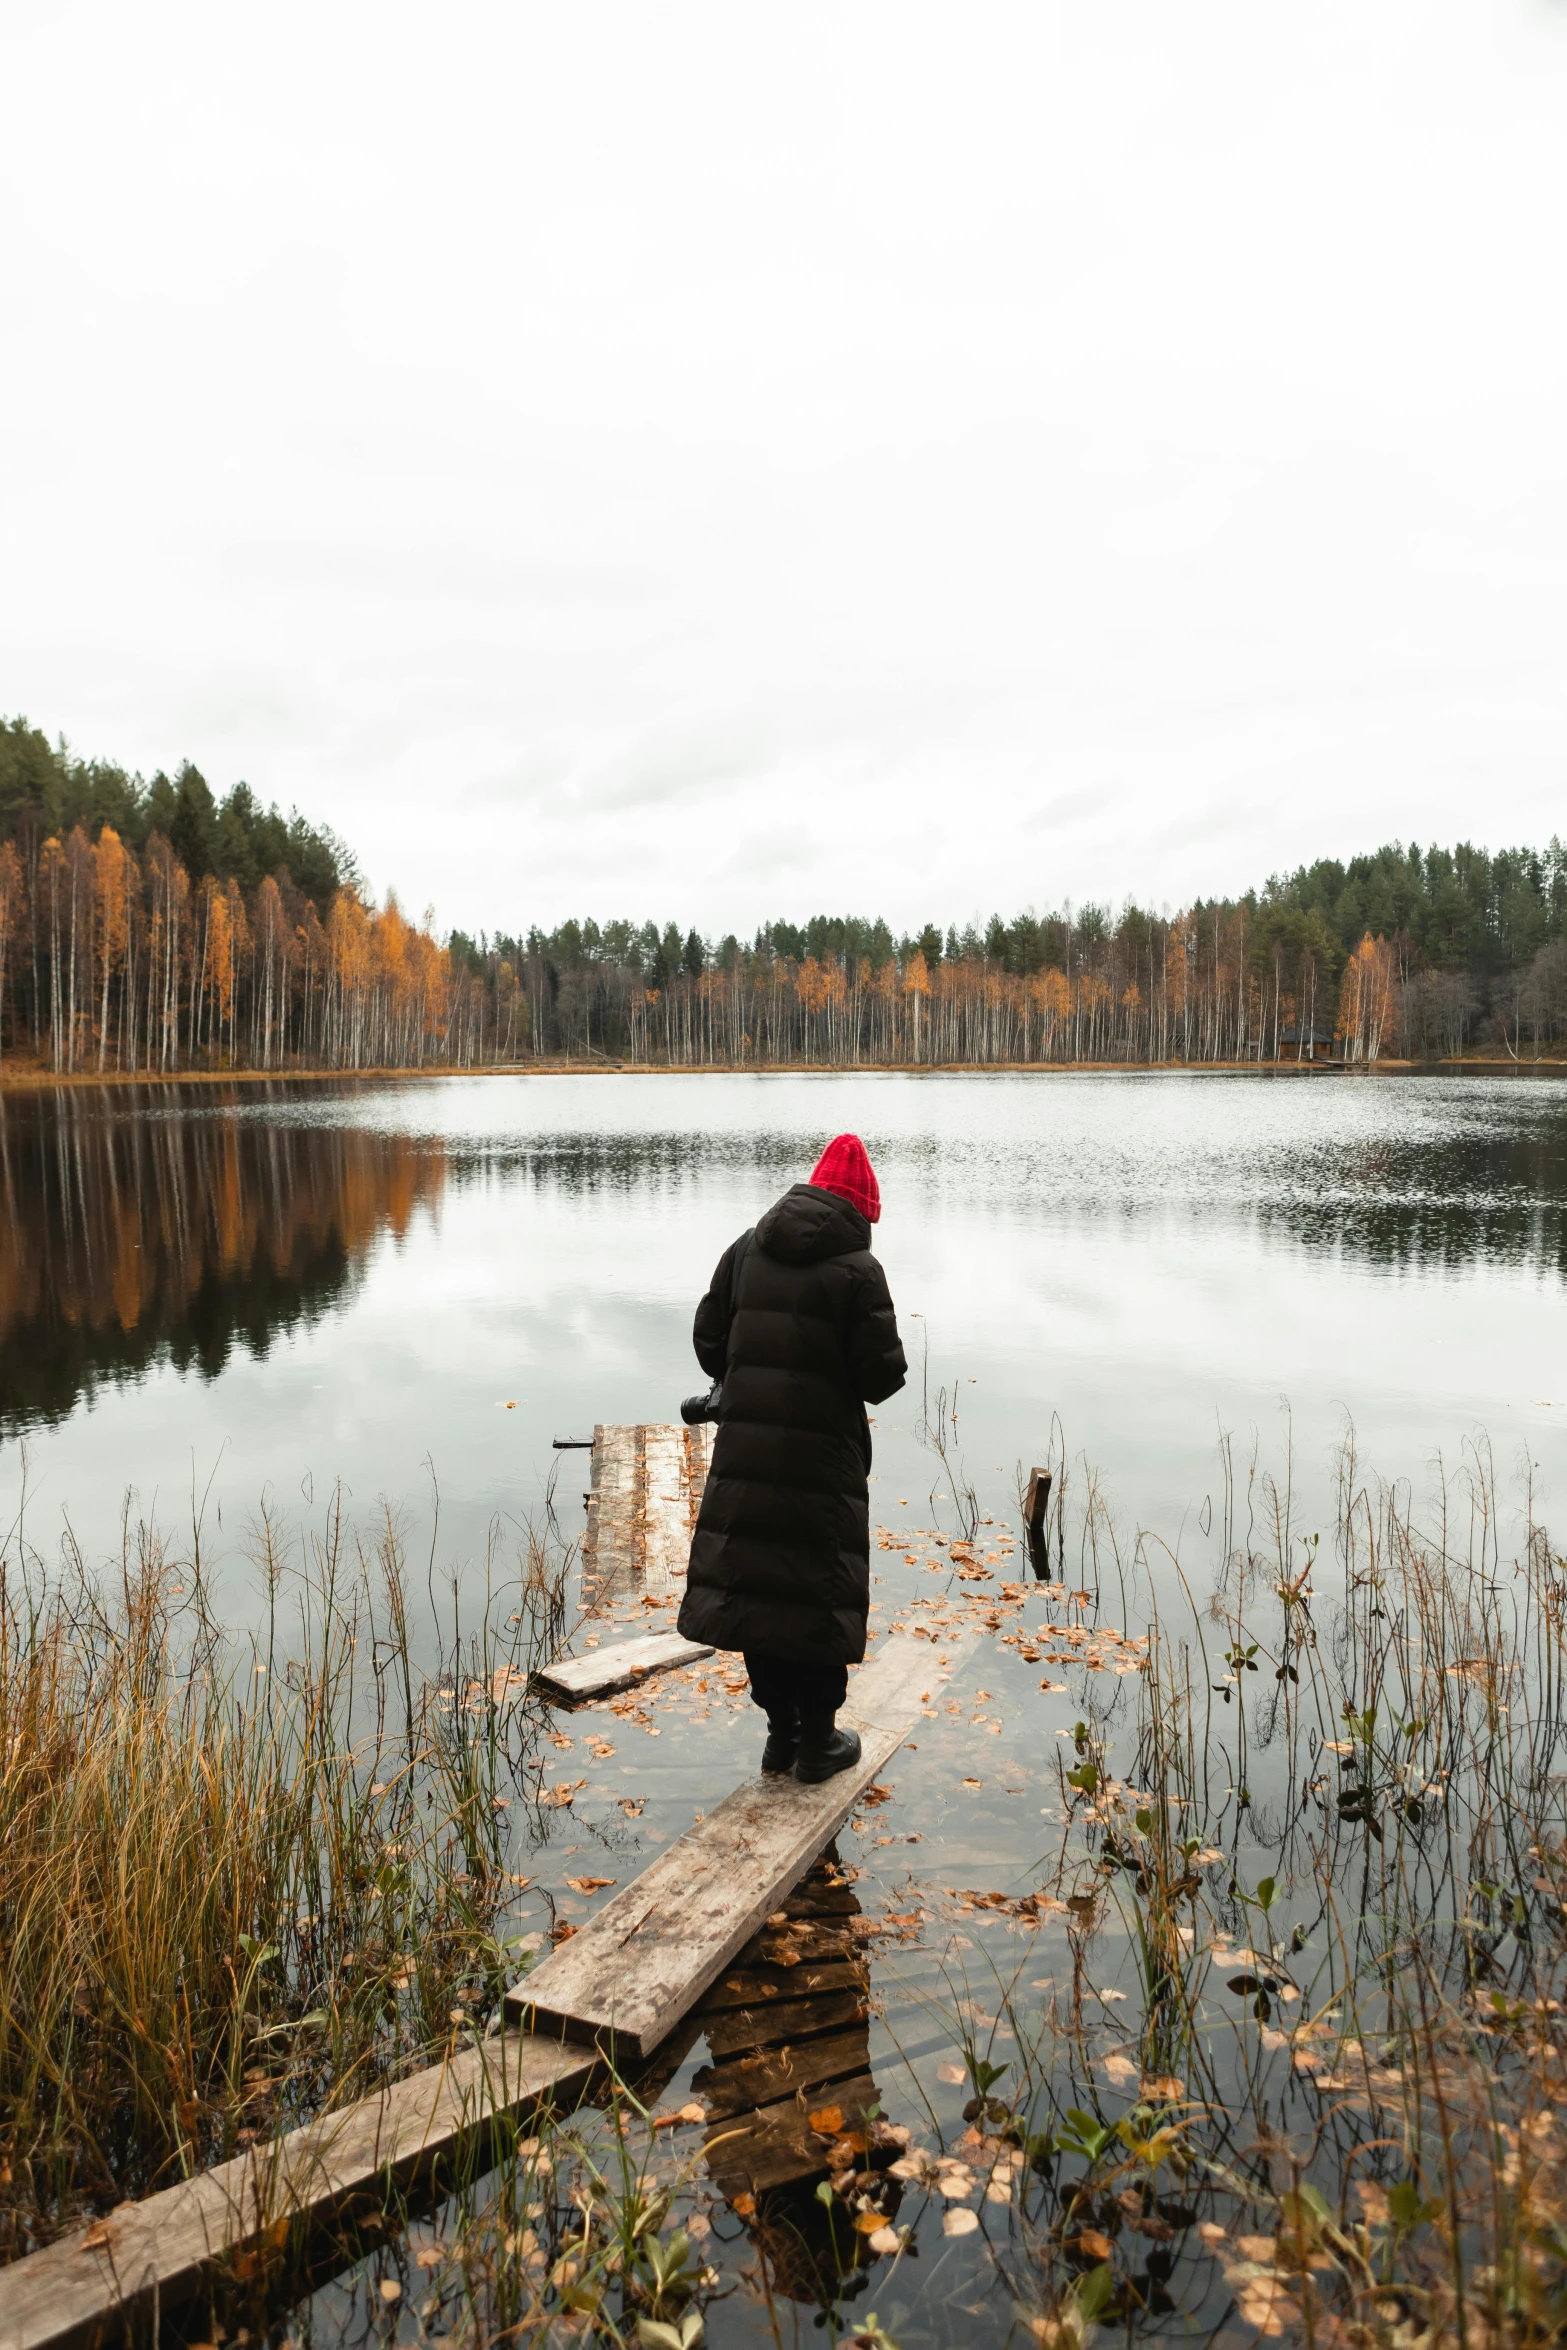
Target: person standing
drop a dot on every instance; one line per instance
(799, 1327)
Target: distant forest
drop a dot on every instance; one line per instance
(155, 926)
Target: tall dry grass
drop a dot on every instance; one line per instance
(240, 1880)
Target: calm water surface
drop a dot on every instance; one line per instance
(265, 1294)
(410, 1287)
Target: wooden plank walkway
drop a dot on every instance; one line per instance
(647, 1956)
(86, 2289)
(576, 1679)
(633, 1972)
(645, 1492)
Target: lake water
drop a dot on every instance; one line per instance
(215, 1301)
(267, 1292)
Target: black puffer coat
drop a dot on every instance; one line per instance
(780, 1562)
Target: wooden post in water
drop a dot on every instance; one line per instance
(1036, 1510)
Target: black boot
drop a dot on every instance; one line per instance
(824, 1750)
(783, 1741)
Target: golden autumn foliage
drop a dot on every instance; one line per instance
(133, 968)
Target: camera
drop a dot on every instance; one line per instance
(698, 1408)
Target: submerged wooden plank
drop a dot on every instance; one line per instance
(766, 2075)
(636, 1967)
(775, 2146)
(79, 2292)
(754, 1987)
(731, 2031)
(782, 2059)
(576, 1678)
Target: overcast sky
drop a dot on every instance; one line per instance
(717, 461)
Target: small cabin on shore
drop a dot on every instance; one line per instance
(1306, 1044)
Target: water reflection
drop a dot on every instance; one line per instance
(1046, 1229)
(130, 1237)
(1435, 1175)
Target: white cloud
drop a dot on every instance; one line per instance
(709, 465)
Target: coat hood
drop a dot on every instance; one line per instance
(807, 1225)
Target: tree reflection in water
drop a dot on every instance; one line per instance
(128, 1240)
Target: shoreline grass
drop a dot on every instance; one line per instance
(1298, 2072)
(242, 1880)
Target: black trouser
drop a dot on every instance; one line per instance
(780, 1683)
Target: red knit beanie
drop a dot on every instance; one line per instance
(845, 1167)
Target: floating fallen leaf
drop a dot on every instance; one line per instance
(1091, 2242)
(959, 2222)
(972, 1783)
(885, 2240)
(589, 1884)
(745, 2205)
(954, 2073)
(869, 2223)
(429, 2256)
(391, 2290)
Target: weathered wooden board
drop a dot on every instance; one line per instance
(665, 1527)
(575, 1679)
(645, 1492)
(766, 2075)
(774, 2146)
(812, 1938)
(636, 1967)
(781, 2059)
(607, 1543)
(748, 1986)
(78, 2293)
(733, 2031)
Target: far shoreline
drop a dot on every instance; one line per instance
(32, 1080)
